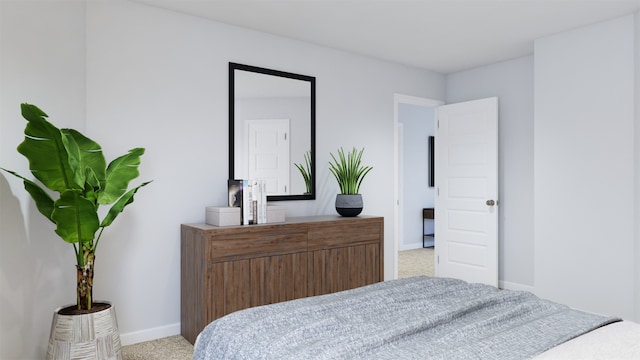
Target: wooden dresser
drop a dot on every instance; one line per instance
(225, 269)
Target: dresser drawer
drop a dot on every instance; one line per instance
(344, 233)
(256, 240)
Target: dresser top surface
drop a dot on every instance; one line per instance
(289, 220)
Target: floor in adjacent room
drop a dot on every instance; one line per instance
(410, 263)
(416, 262)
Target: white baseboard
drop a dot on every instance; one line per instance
(515, 286)
(413, 246)
(150, 334)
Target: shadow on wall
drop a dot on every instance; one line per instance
(32, 281)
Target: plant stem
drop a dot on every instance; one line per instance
(85, 279)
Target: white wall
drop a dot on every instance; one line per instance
(41, 62)
(158, 80)
(417, 124)
(637, 172)
(512, 82)
(586, 168)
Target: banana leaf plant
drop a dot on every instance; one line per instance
(305, 170)
(348, 170)
(71, 164)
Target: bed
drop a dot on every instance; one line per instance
(417, 318)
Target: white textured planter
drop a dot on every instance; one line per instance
(87, 336)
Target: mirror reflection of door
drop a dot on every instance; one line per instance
(268, 153)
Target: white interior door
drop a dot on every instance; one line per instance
(466, 221)
(268, 153)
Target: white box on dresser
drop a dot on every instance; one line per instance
(222, 215)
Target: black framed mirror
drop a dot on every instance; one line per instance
(272, 117)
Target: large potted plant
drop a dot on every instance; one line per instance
(349, 172)
(71, 164)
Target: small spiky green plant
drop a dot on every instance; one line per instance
(348, 170)
(305, 170)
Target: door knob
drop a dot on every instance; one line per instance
(490, 202)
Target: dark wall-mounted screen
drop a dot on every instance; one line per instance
(432, 147)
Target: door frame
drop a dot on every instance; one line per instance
(397, 166)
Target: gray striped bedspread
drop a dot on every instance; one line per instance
(414, 318)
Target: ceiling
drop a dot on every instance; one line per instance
(441, 35)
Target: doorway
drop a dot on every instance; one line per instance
(414, 120)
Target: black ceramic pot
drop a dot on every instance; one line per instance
(349, 205)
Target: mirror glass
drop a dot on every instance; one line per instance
(272, 130)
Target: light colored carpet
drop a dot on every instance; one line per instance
(169, 348)
(415, 262)
(410, 263)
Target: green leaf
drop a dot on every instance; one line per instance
(119, 173)
(43, 201)
(76, 217)
(305, 170)
(43, 147)
(119, 206)
(348, 170)
(73, 165)
(92, 183)
(84, 155)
